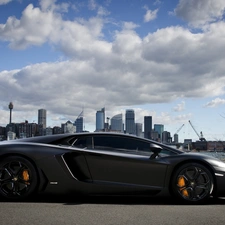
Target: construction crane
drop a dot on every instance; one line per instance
(201, 138)
(179, 129)
(176, 135)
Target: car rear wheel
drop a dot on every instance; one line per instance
(192, 183)
(18, 178)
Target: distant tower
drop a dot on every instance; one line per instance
(79, 123)
(100, 119)
(10, 115)
(42, 117)
(117, 123)
(147, 126)
(159, 128)
(166, 138)
(130, 121)
(138, 129)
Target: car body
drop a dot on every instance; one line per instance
(101, 163)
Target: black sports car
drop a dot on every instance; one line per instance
(106, 164)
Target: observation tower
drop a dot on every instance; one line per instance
(10, 115)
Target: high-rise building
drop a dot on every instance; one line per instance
(147, 126)
(49, 131)
(42, 118)
(2, 133)
(176, 138)
(159, 128)
(79, 123)
(166, 137)
(130, 121)
(26, 129)
(139, 129)
(68, 127)
(56, 130)
(100, 120)
(155, 136)
(117, 123)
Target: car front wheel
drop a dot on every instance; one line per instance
(192, 183)
(18, 178)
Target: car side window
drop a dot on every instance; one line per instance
(107, 143)
(120, 144)
(166, 152)
(127, 144)
(160, 150)
(83, 142)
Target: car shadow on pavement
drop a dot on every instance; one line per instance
(117, 200)
(113, 200)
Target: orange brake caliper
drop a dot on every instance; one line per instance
(181, 183)
(25, 175)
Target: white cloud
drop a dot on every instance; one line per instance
(127, 45)
(215, 103)
(157, 2)
(47, 4)
(165, 65)
(4, 2)
(33, 28)
(103, 11)
(92, 4)
(50, 5)
(183, 118)
(191, 62)
(180, 107)
(150, 14)
(129, 25)
(200, 12)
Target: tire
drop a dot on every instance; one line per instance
(18, 178)
(192, 183)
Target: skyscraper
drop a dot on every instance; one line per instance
(42, 117)
(139, 129)
(147, 126)
(79, 123)
(100, 119)
(117, 123)
(166, 138)
(130, 121)
(159, 128)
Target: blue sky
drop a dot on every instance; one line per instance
(163, 59)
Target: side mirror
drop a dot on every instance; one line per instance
(156, 149)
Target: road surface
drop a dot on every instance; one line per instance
(60, 210)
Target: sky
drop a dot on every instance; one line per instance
(164, 59)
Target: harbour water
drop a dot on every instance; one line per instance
(219, 155)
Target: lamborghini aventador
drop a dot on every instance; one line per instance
(106, 164)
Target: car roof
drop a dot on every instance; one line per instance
(51, 139)
(43, 139)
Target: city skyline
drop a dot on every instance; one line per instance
(163, 59)
(103, 124)
(148, 129)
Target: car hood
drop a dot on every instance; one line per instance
(215, 162)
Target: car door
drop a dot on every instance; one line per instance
(117, 159)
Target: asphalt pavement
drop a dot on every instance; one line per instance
(60, 210)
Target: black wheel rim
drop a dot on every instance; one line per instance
(15, 179)
(194, 183)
